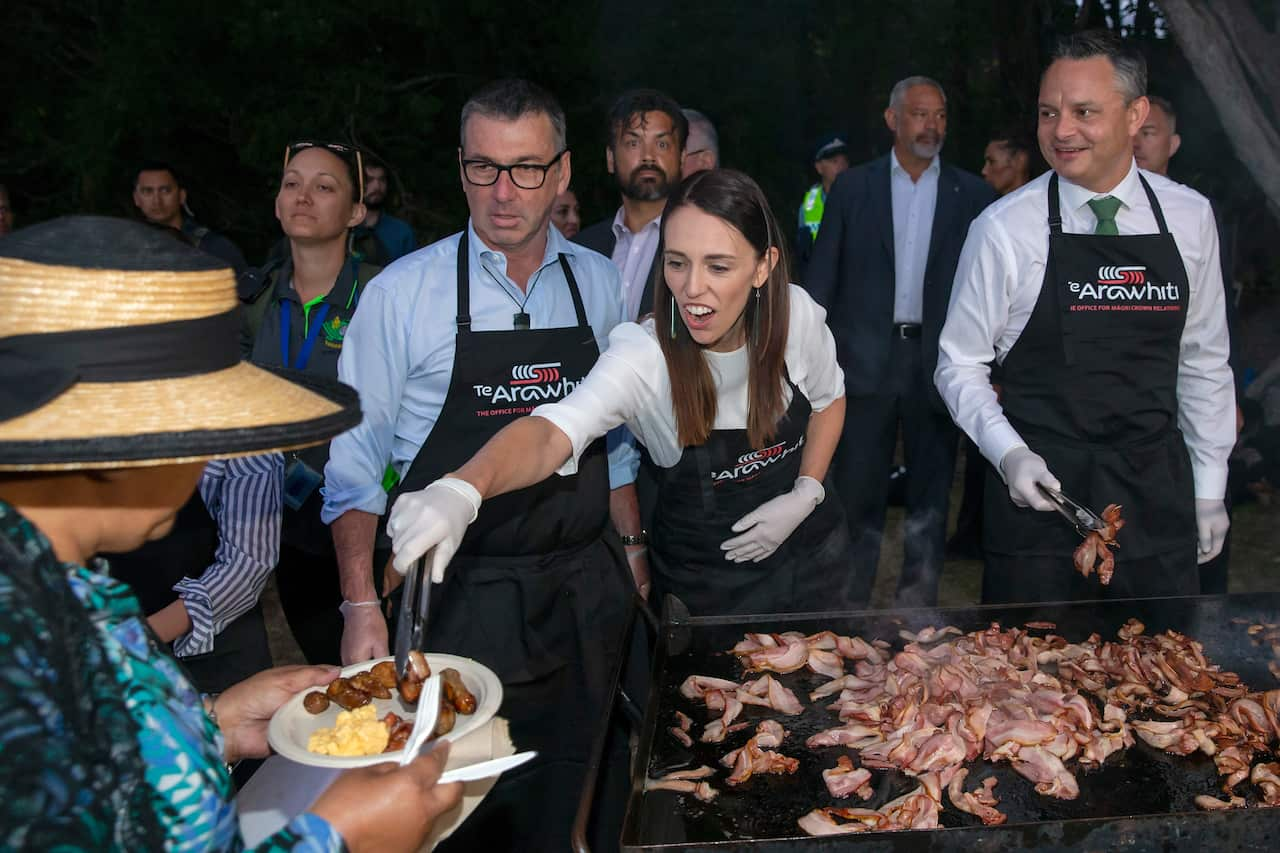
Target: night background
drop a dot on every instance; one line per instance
(93, 87)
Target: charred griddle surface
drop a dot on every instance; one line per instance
(1141, 797)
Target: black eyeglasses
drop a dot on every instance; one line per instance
(349, 154)
(526, 176)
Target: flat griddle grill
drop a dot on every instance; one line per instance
(1141, 799)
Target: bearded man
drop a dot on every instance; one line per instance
(647, 135)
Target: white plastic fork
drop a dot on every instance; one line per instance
(425, 724)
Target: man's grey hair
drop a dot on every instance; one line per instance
(513, 99)
(699, 120)
(898, 93)
(1129, 65)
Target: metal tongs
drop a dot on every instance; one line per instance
(411, 632)
(1083, 519)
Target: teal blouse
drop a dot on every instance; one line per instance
(104, 744)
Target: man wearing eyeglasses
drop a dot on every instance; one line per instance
(647, 135)
(450, 344)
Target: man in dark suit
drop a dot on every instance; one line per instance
(647, 135)
(883, 266)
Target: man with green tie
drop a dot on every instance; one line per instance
(1098, 290)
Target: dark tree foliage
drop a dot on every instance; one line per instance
(94, 86)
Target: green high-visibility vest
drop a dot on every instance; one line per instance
(811, 209)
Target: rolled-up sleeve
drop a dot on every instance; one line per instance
(244, 497)
(374, 361)
(976, 318)
(610, 395)
(1206, 391)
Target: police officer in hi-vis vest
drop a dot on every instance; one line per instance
(829, 159)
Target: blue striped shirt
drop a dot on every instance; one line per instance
(244, 497)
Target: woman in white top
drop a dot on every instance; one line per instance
(734, 389)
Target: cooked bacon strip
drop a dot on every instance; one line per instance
(1267, 778)
(773, 694)
(1096, 547)
(1209, 803)
(1041, 625)
(701, 772)
(696, 686)
(715, 730)
(769, 734)
(843, 780)
(980, 802)
(702, 790)
(843, 736)
(750, 760)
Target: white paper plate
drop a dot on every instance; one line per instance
(292, 725)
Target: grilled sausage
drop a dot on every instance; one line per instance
(315, 702)
(342, 691)
(385, 673)
(416, 673)
(457, 694)
(446, 720)
(365, 682)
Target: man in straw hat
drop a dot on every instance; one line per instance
(119, 377)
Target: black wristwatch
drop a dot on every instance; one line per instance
(642, 539)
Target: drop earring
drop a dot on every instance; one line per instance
(673, 318)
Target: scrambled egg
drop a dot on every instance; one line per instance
(357, 732)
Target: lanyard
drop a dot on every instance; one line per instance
(304, 355)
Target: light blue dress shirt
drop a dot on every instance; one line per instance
(914, 203)
(399, 349)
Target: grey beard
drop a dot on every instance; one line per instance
(927, 152)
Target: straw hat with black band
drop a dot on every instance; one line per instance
(119, 347)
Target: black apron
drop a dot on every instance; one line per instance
(536, 591)
(717, 483)
(1091, 385)
(240, 649)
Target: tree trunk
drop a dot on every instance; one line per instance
(1212, 53)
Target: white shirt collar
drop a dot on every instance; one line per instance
(935, 165)
(556, 244)
(620, 226)
(1129, 191)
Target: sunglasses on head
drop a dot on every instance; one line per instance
(348, 153)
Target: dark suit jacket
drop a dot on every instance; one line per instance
(851, 271)
(600, 237)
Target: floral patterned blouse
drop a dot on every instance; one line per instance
(104, 744)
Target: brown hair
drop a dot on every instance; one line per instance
(733, 197)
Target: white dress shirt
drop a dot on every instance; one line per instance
(633, 256)
(399, 352)
(998, 281)
(630, 384)
(913, 205)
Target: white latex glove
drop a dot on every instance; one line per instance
(768, 525)
(1022, 469)
(1211, 528)
(364, 635)
(434, 519)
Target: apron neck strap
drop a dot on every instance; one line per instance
(464, 283)
(573, 290)
(1155, 205)
(1055, 211)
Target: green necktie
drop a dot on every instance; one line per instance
(1105, 209)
